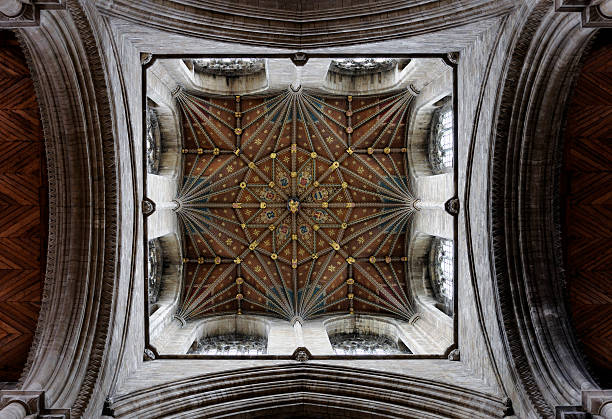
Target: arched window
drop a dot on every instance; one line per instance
(352, 66)
(366, 344)
(441, 139)
(153, 145)
(231, 344)
(229, 66)
(442, 273)
(154, 267)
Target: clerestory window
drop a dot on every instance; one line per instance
(230, 344)
(366, 344)
(441, 139)
(442, 273)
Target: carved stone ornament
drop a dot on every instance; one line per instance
(148, 355)
(148, 207)
(302, 354)
(452, 206)
(230, 67)
(145, 58)
(360, 66)
(454, 355)
(19, 14)
(32, 401)
(452, 58)
(299, 59)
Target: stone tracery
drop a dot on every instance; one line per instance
(229, 66)
(441, 269)
(364, 343)
(230, 344)
(353, 66)
(441, 139)
(153, 143)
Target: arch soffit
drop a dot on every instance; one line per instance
(292, 28)
(258, 389)
(82, 257)
(523, 200)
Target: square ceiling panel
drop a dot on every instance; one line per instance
(296, 202)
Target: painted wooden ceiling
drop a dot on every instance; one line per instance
(295, 204)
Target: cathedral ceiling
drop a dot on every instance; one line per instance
(296, 201)
(295, 204)
(99, 313)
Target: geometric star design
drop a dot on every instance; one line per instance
(295, 204)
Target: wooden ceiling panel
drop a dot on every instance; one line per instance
(23, 209)
(587, 196)
(295, 204)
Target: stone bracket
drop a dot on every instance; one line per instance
(30, 14)
(33, 402)
(595, 403)
(149, 354)
(451, 59)
(301, 354)
(299, 59)
(590, 11)
(454, 355)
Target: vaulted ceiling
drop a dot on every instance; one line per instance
(295, 204)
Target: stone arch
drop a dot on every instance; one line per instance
(83, 254)
(387, 328)
(430, 319)
(241, 325)
(442, 273)
(208, 77)
(440, 142)
(317, 390)
(527, 260)
(341, 79)
(162, 104)
(429, 99)
(162, 310)
(180, 336)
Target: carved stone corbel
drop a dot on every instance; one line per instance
(299, 59)
(452, 206)
(597, 402)
(28, 403)
(20, 14)
(454, 355)
(31, 401)
(301, 354)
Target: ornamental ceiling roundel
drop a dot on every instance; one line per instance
(294, 204)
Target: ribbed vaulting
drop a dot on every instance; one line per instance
(295, 204)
